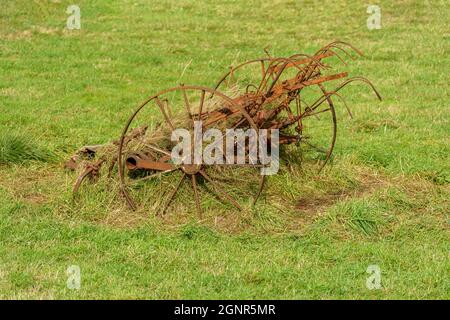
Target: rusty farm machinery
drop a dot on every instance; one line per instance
(284, 94)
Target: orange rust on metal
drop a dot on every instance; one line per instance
(293, 85)
(300, 62)
(91, 170)
(134, 162)
(274, 100)
(277, 91)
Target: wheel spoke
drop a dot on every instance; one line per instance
(154, 175)
(261, 187)
(154, 166)
(163, 111)
(187, 106)
(172, 194)
(202, 101)
(197, 197)
(220, 190)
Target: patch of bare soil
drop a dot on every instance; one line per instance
(312, 204)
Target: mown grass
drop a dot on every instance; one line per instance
(382, 201)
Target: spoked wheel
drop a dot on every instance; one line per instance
(149, 176)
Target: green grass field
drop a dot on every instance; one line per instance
(383, 200)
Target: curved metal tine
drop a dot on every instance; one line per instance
(315, 114)
(324, 97)
(319, 101)
(238, 77)
(263, 76)
(249, 86)
(80, 180)
(307, 106)
(365, 80)
(315, 59)
(267, 75)
(304, 115)
(277, 76)
(220, 190)
(341, 98)
(344, 51)
(188, 106)
(312, 65)
(338, 42)
(337, 55)
(269, 72)
(263, 69)
(202, 101)
(230, 76)
(289, 111)
(328, 48)
(284, 62)
(172, 194)
(196, 195)
(261, 187)
(333, 114)
(166, 117)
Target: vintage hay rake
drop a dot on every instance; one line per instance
(284, 93)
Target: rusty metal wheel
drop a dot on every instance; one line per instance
(148, 175)
(292, 96)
